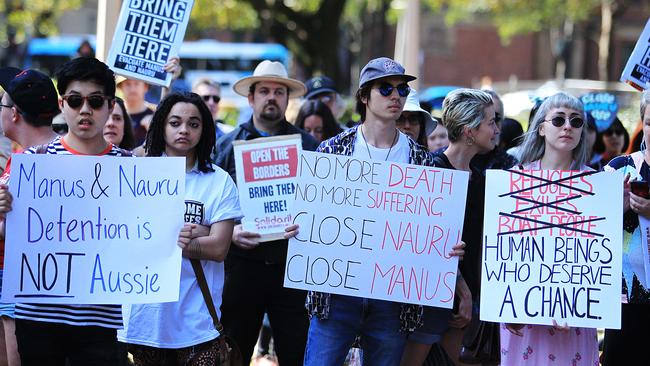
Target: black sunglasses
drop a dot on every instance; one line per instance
(614, 131)
(94, 101)
(386, 89)
(413, 119)
(215, 98)
(575, 122)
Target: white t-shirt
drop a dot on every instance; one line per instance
(400, 153)
(209, 198)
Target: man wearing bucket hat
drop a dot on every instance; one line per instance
(27, 108)
(254, 270)
(415, 121)
(337, 319)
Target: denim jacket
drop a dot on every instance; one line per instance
(318, 303)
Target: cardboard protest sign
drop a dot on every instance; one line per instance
(147, 35)
(637, 70)
(93, 230)
(602, 107)
(376, 229)
(552, 248)
(266, 172)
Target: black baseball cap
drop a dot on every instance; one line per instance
(318, 85)
(31, 91)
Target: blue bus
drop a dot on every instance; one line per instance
(47, 54)
(221, 61)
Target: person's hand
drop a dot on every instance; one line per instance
(561, 328)
(515, 329)
(245, 239)
(291, 231)
(464, 314)
(185, 236)
(458, 250)
(626, 193)
(173, 66)
(199, 230)
(640, 205)
(6, 200)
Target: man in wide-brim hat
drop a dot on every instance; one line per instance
(254, 270)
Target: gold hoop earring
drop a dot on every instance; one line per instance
(470, 141)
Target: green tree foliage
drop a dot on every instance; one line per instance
(233, 15)
(309, 28)
(512, 17)
(35, 18)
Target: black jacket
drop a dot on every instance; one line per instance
(272, 252)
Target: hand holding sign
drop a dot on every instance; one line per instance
(552, 248)
(266, 170)
(5, 200)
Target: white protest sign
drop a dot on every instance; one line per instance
(266, 169)
(637, 70)
(378, 230)
(93, 230)
(552, 248)
(147, 35)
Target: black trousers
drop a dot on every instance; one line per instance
(252, 288)
(628, 346)
(42, 343)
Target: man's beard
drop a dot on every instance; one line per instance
(272, 115)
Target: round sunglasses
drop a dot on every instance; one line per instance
(94, 101)
(559, 121)
(386, 89)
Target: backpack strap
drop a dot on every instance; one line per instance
(207, 297)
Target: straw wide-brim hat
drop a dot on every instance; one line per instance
(270, 71)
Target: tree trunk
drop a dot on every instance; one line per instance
(604, 40)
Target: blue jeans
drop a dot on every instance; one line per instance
(376, 321)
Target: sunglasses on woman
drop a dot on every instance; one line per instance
(386, 89)
(559, 121)
(94, 101)
(412, 119)
(611, 132)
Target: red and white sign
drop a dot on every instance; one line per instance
(270, 163)
(266, 171)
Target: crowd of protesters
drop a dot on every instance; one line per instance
(245, 275)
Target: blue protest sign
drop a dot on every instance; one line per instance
(603, 108)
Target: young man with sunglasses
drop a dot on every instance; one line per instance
(78, 334)
(337, 319)
(27, 109)
(210, 91)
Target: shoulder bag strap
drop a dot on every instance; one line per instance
(203, 284)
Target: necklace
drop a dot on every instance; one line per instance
(368, 148)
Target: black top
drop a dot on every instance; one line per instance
(139, 132)
(470, 266)
(272, 252)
